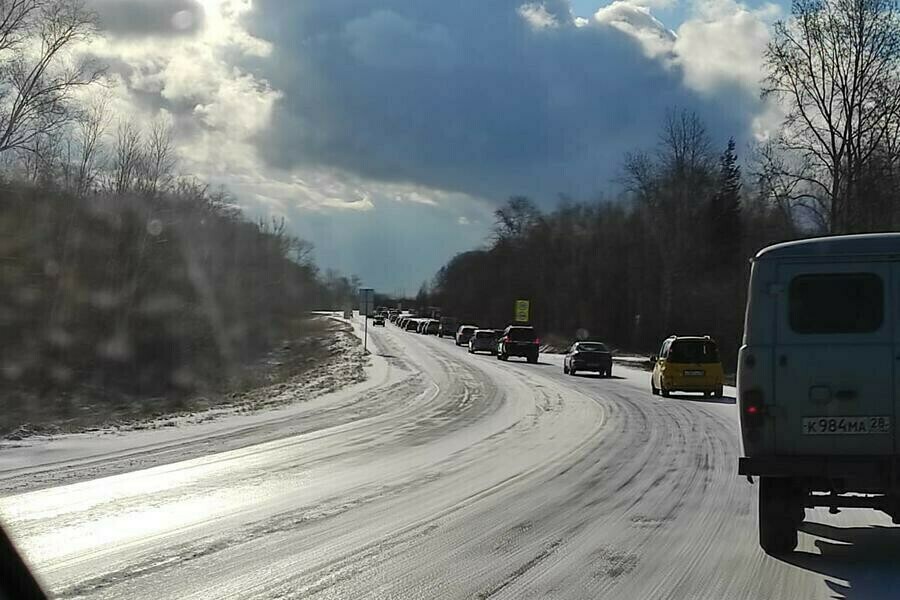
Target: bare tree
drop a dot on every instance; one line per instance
(88, 154)
(782, 181)
(514, 218)
(15, 23)
(127, 157)
(43, 158)
(158, 165)
(684, 144)
(39, 72)
(835, 64)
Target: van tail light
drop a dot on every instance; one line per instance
(753, 409)
(537, 341)
(505, 339)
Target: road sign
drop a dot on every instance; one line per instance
(366, 301)
(522, 310)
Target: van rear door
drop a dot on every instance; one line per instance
(834, 359)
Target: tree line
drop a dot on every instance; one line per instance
(671, 255)
(673, 259)
(120, 276)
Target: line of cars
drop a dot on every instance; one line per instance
(684, 364)
(513, 341)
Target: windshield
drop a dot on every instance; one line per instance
(689, 351)
(243, 244)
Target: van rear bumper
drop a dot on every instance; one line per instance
(879, 472)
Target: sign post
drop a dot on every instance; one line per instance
(522, 310)
(366, 306)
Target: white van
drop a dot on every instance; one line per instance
(817, 389)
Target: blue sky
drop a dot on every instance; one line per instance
(387, 132)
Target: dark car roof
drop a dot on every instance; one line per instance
(838, 245)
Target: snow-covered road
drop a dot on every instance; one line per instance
(449, 475)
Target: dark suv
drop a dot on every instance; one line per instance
(519, 340)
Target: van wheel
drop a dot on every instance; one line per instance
(572, 371)
(533, 358)
(565, 369)
(718, 393)
(665, 393)
(653, 389)
(778, 514)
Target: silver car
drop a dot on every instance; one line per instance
(483, 340)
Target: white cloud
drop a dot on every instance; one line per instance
(226, 114)
(636, 21)
(723, 45)
(719, 46)
(538, 16)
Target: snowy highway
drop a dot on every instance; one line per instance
(444, 475)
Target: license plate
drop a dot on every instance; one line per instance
(845, 425)
(694, 373)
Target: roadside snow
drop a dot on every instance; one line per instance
(40, 460)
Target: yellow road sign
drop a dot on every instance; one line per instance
(522, 309)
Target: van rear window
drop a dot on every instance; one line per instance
(836, 303)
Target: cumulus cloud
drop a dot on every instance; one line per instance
(538, 16)
(636, 21)
(723, 45)
(486, 98)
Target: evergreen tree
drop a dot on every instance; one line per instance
(724, 216)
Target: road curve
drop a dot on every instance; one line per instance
(458, 476)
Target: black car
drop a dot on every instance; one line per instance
(588, 356)
(519, 340)
(378, 320)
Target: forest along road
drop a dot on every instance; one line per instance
(477, 479)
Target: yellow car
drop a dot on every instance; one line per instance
(687, 364)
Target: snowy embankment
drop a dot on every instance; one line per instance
(259, 415)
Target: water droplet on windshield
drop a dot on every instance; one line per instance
(183, 20)
(154, 227)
